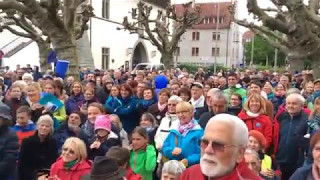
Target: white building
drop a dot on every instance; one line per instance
(205, 44)
(111, 48)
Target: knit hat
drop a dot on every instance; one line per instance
(103, 122)
(259, 136)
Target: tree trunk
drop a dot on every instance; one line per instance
(296, 64)
(65, 47)
(44, 49)
(315, 63)
(168, 60)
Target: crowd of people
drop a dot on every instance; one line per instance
(170, 125)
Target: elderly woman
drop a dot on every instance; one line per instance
(312, 171)
(159, 109)
(172, 170)
(73, 163)
(254, 115)
(71, 128)
(183, 140)
(38, 152)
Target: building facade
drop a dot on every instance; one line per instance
(215, 39)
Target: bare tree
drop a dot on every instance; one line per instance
(158, 30)
(298, 27)
(61, 21)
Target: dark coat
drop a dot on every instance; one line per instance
(302, 173)
(35, 156)
(113, 140)
(234, 110)
(158, 115)
(14, 104)
(100, 94)
(65, 132)
(200, 111)
(204, 118)
(73, 103)
(8, 152)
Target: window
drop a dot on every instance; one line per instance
(195, 51)
(216, 36)
(215, 52)
(177, 53)
(195, 36)
(106, 9)
(105, 56)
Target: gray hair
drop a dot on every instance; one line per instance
(175, 98)
(173, 167)
(27, 75)
(46, 119)
(219, 95)
(252, 152)
(298, 97)
(212, 91)
(240, 130)
(292, 91)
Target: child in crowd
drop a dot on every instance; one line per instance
(24, 127)
(148, 122)
(105, 138)
(123, 134)
(142, 155)
(113, 98)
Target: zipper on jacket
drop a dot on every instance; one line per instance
(289, 129)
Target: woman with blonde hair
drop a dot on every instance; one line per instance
(75, 100)
(307, 90)
(73, 162)
(254, 115)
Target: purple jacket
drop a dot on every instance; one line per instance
(73, 103)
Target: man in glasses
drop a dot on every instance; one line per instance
(222, 151)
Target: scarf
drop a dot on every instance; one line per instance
(162, 107)
(88, 128)
(185, 128)
(251, 114)
(69, 165)
(315, 172)
(314, 124)
(197, 103)
(147, 103)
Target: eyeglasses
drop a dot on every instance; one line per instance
(171, 104)
(181, 112)
(216, 146)
(68, 150)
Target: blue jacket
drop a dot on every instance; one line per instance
(189, 144)
(291, 142)
(126, 109)
(302, 173)
(73, 103)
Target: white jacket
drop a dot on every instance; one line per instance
(163, 130)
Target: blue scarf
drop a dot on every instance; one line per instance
(147, 103)
(314, 124)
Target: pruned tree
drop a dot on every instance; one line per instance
(61, 21)
(291, 26)
(159, 30)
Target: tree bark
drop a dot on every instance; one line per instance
(66, 49)
(296, 64)
(167, 59)
(43, 54)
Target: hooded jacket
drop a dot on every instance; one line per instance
(241, 172)
(76, 172)
(262, 123)
(189, 144)
(24, 132)
(73, 103)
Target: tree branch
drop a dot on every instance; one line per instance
(6, 5)
(13, 31)
(314, 6)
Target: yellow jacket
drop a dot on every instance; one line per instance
(266, 163)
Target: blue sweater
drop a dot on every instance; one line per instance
(189, 144)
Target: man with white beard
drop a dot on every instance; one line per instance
(222, 151)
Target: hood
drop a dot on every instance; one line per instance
(161, 82)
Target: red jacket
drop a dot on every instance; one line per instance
(239, 173)
(132, 176)
(262, 123)
(75, 173)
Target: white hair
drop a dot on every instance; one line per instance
(27, 75)
(173, 167)
(212, 91)
(46, 119)
(240, 130)
(175, 98)
(252, 152)
(297, 97)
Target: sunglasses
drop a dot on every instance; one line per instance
(68, 150)
(216, 146)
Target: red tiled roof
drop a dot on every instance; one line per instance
(209, 10)
(247, 35)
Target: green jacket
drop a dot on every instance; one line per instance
(143, 162)
(234, 90)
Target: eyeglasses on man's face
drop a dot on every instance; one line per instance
(216, 146)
